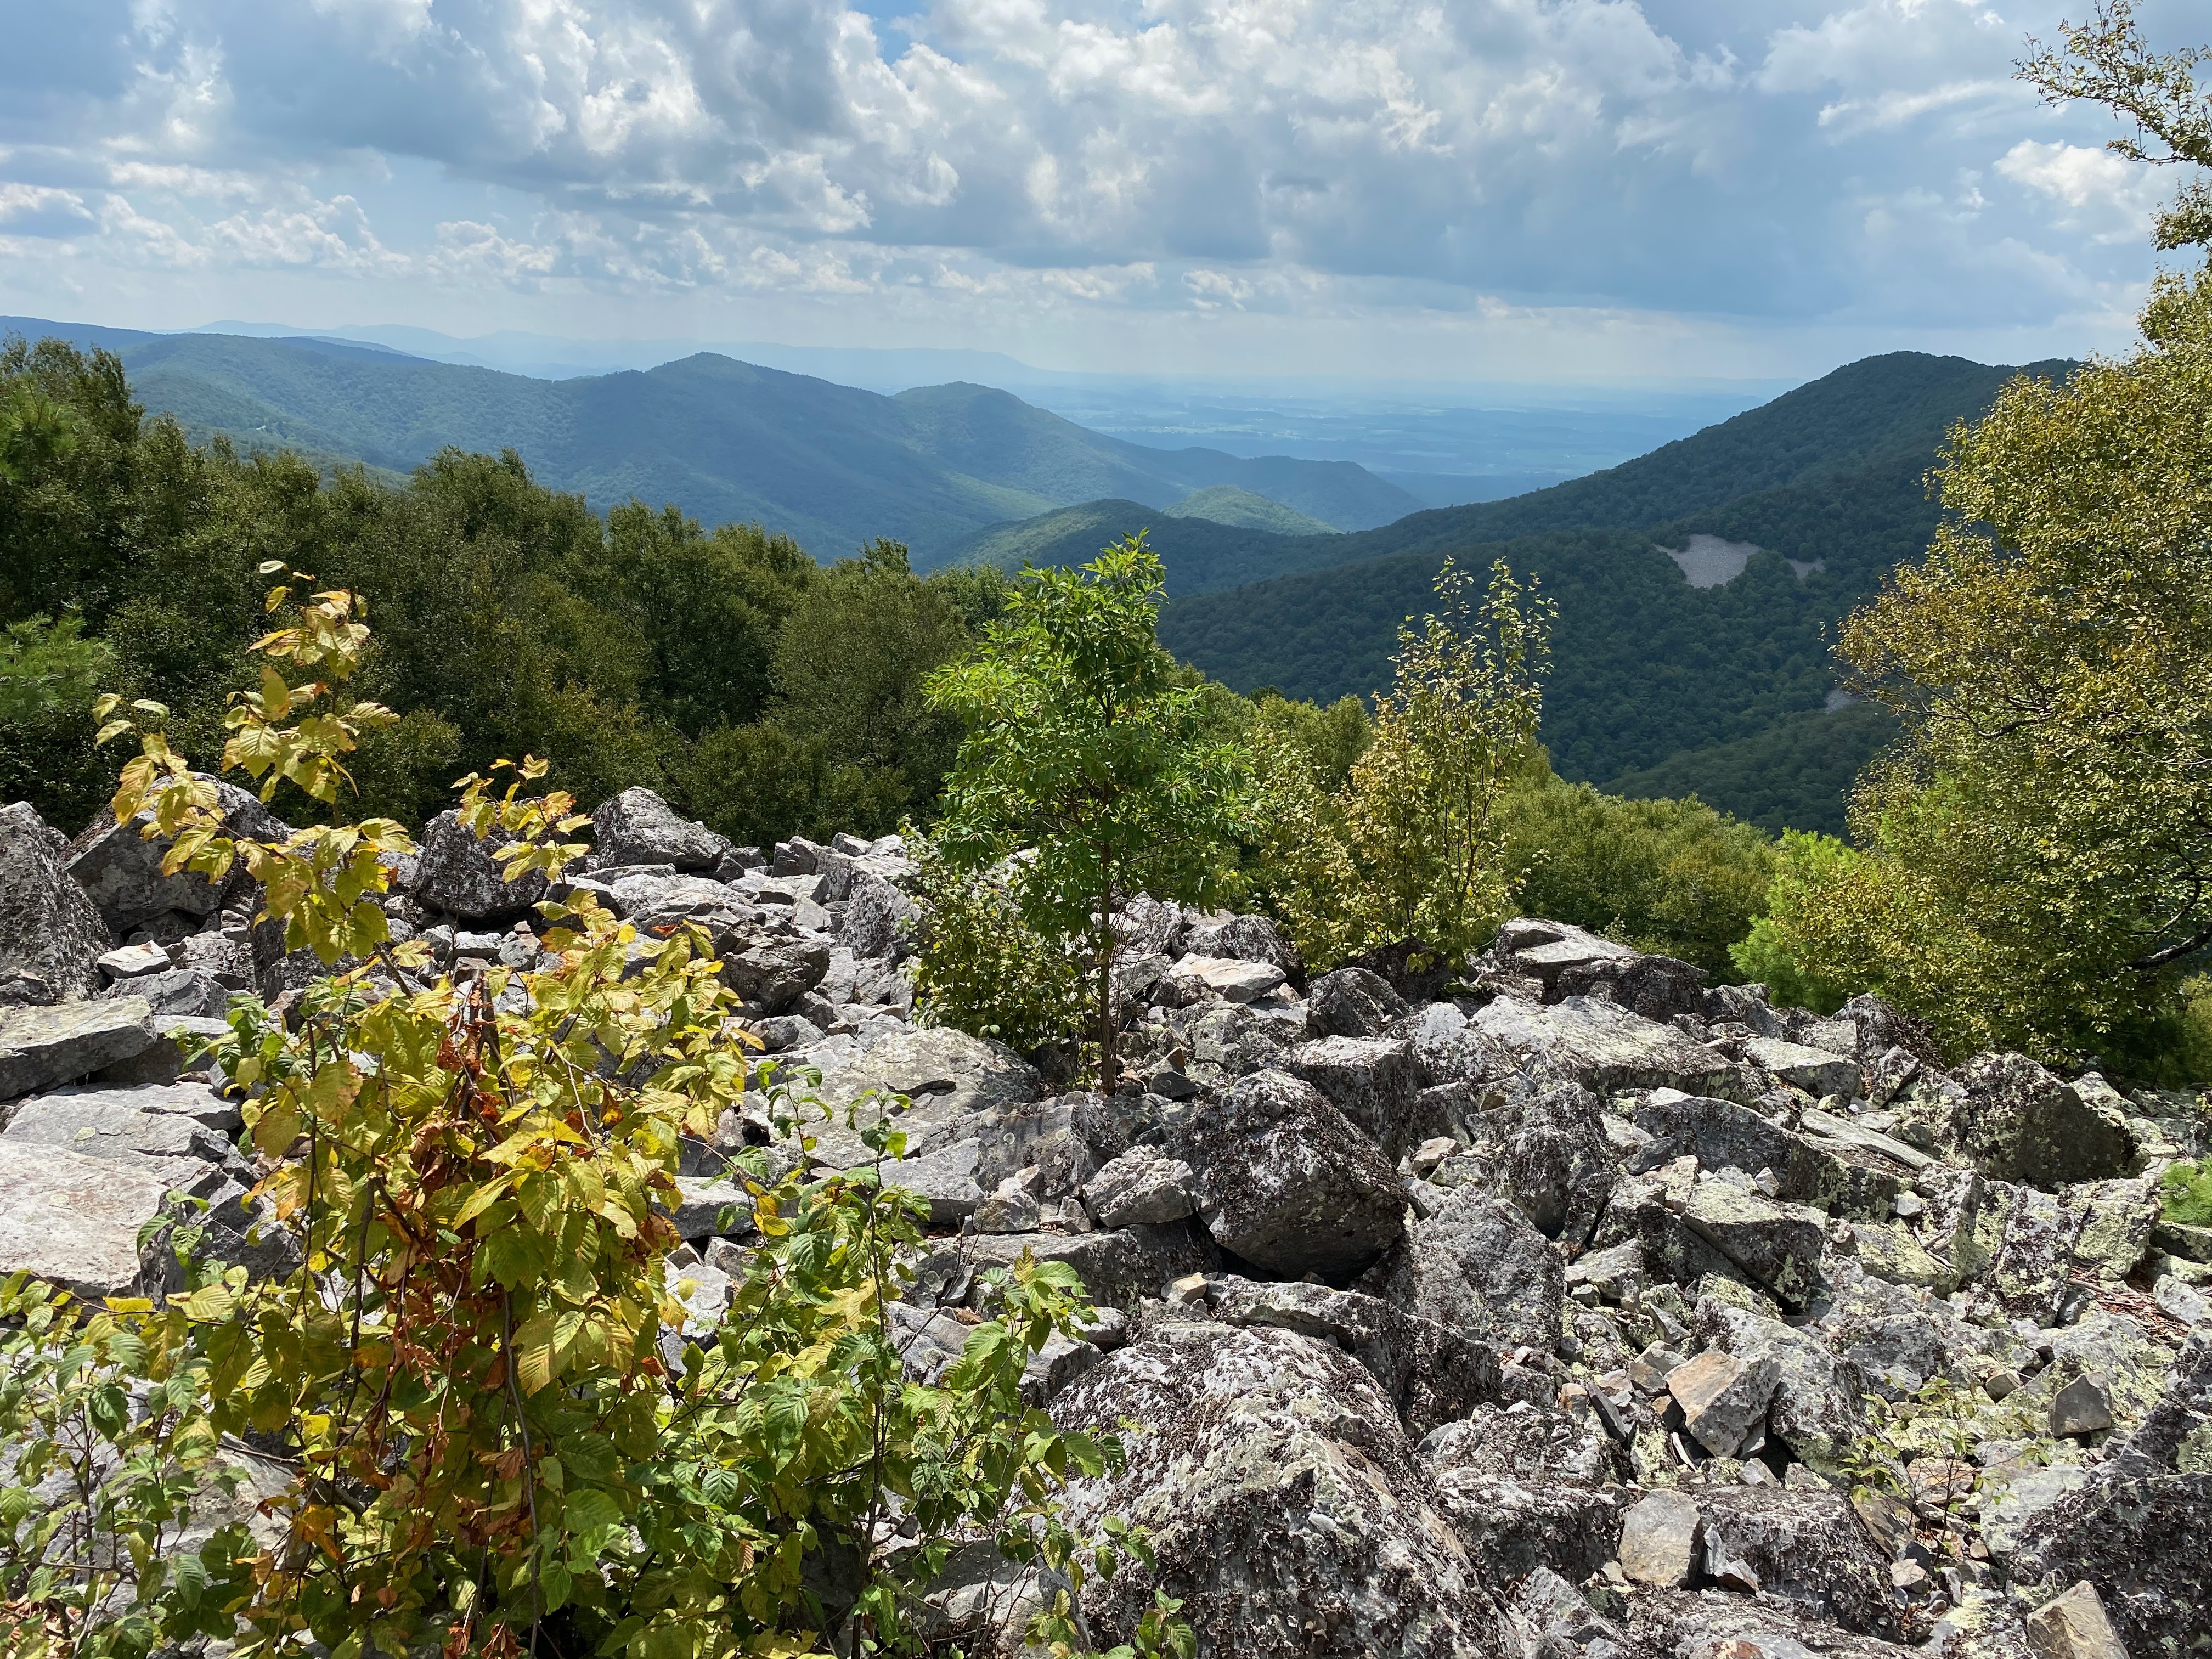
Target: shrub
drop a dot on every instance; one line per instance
(494, 1441)
(979, 965)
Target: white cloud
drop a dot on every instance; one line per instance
(1799, 161)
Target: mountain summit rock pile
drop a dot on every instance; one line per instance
(1596, 1312)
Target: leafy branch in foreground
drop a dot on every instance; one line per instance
(497, 1436)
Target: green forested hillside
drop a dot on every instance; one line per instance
(1647, 666)
(1227, 504)
(831, 465)
(1797, 774)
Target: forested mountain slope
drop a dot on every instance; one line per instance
(1829, 481)
(831, 465)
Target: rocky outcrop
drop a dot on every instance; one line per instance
(1287, 1511)
(52, 934)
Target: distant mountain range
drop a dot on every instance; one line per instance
(832, 465)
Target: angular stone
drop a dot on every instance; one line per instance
(1601, 1046)
(1008, 1210)
(1815, 1071)
(2074, 1627)
(1286, 1181)
(1528, 1489)
(1659, 1539)
(73, 1220)
(1477, 1266)
(1246, 938)
(131, 961)
(1196, 978)
(1434, 1375)
(700, 1213)
(1725, 1400)
(638, 827)
(2082, 1406)
(1118, 1268)
(876, 916)
(40, 1047)
(1778, 1245)
(122, 870)
(1377, 1082)
(1806, 1548)
(2023, 1124)
(1726, 1136)
(1552, 1158)
(945, 1177)
(1352, 1002)
(772, 970)
(1141, 1185)
(458, 874)
(1818, 1411)
(1285, 1507)
(51, 931)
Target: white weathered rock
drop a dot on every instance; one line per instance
(1603, 1046)
(1816, 1071)
(73, 1220)
(135, 961)
(1141, 1185)
(1195, 978)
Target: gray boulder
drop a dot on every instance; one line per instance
(1286, 1182)
(1552, 1157)
(182, 994)
(638, 827)
(771, 970)
(1434, 1375)
(1816, 1071)
(458, 874)
(179, 1132)
(945, 1178)
(957, 1087)
(1528, 1490)
(1285, 1507)
(1817, 1411)
(1377, 1082)
(2023, 1124)
(1777, 1245)
(1657, 987)
(74, 1220)
(1726, 1136)
(877, 914)
(1805, 1548)
(51, 934)
(1602, 1046)
(1723, 1400)
(1141, 1185)
(1119, 1269)
(1352, 1002)
(1246, 938)
(1479, 1267)
(42, 1048)
(122, 870)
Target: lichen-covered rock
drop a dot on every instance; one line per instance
(1434, 1375)
(1725, 1400)
(1816, 1071)
(1528, 1489)
(1726, 1136)
(2023, 1124)
(456, 874)
(1601, 1046)
(1778, 1245)
(638, 827)
(1550, 1157)
(1377, 1082)
(1719, 1624)
(1806, 1547)
(876, 916)
(947, 1076)
(1118, 1268)
(51, 934)
(1352, 1002)
(772, 970)
(1477, 1266)
(1246, 938)
(1287, 1183)
(122, 870)
(1817, 1411)
(44, 1047)
(1285, 1507)
(1661, 1539)
(1141, 1185)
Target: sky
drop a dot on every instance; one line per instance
(1569, 191)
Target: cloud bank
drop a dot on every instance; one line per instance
(1748, 164)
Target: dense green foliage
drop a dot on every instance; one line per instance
(2185, 1193)
(1227, 504)
(1082, 744)
(1673, 877)
(511, 619)
(2038, 859)
(1797, 773)
(727, 441)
